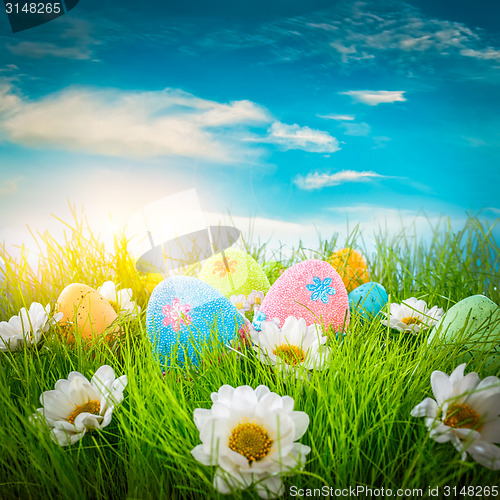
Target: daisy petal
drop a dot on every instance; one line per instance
(486, 454)
(441, 387)
(427, 408)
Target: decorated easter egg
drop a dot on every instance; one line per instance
(312, 290)
(185, 316)
(89, 312)
(233, 273)
(473, 322)
(351, 266)
(368, 299)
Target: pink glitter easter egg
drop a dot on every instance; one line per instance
(312, 290)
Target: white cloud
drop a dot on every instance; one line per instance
(350, 52)
(130, 124)
(296, 137)
(9, 68)
(380, 141)
(356, 129)
(364, 220)
(323, 26)
(281, 235)
(375, 97)
(318, 181)
(405, 30)
(363, 33)
(338, 117)
(9, 101)
(39, 50)
(365, 212)
(71, 41)
(348, 124)
(476, 142)
(485, 54)
(392, 221)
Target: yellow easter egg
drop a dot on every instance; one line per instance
(90, 313)
(351, 266)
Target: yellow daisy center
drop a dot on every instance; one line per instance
(462, 416)
(250, 440)
(93, 407)
(291, 354)
(114, 305)
(410, 320)
(239, 305)
(258, 300)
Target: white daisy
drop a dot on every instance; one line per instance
(412, 316)
(465, 412)
(293, 345)
(241, 303)
(120, 300)
(27, 327)
(77, 405)
(251, 435)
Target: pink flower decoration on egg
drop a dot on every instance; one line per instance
(176, 314)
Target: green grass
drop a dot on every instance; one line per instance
(360, 432)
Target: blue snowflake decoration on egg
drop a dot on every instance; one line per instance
(321, 289)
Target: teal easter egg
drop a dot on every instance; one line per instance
(233, 273)
(368, 299)
(474, 322)
(185, 316)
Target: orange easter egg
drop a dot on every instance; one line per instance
(89, 311)
(351, 266)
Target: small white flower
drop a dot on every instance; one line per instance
(27, 327)
(77, 405)
(295, 344)
(251, 435)
(465, 412)
(241, 303)
(255, 298)
(120, 300)
(412, 316)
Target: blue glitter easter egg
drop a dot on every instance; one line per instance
(186, 316)
(368, 299)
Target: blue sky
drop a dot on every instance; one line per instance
(301, 116)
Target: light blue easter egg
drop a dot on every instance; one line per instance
(186, 316)
(368, 299)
